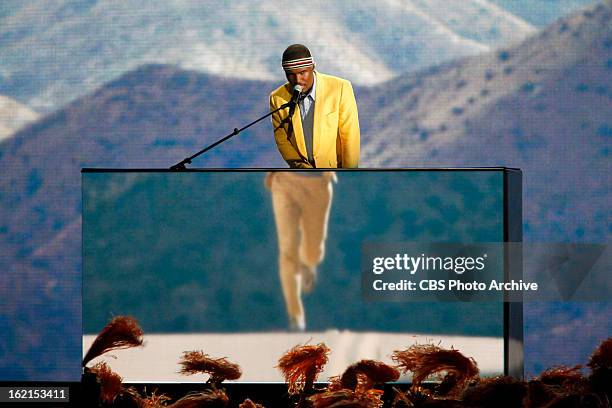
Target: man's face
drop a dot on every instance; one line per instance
(302, 76)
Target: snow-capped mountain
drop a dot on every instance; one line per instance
(53, 52)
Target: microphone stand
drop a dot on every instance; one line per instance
(180, 166)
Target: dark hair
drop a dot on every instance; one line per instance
(296, 51)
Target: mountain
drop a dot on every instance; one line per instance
(152, 117)
(13, 116)
(52, 53)
(543, 105)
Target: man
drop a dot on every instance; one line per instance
(322, 133)
(324, 129)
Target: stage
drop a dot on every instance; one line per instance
(258, 353)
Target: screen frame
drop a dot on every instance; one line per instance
(513, 336)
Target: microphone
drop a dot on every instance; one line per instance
(297, 92)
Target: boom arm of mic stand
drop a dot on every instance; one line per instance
(180, 166)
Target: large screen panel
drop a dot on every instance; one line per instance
(198, 258)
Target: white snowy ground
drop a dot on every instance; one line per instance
(258, 353)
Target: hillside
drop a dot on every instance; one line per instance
(537, 106)
(13, 116)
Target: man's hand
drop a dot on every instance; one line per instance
(299, 164)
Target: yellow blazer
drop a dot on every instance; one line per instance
(335, 132)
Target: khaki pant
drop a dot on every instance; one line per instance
(301, 211)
